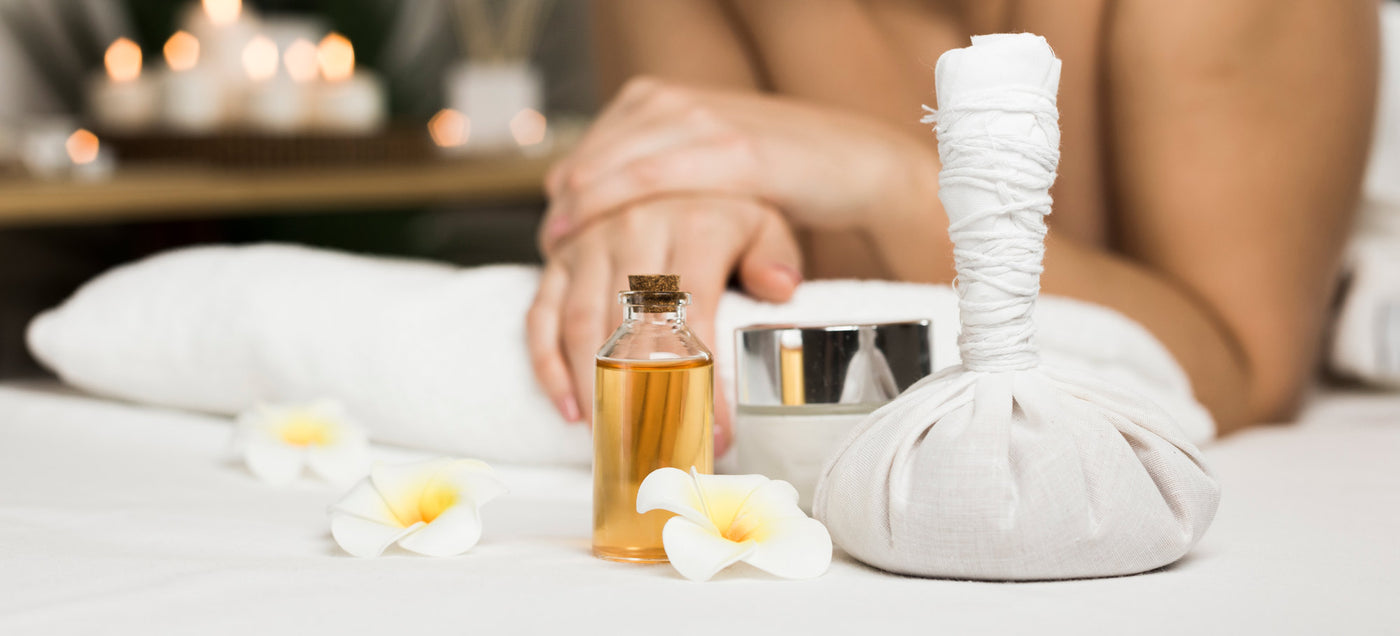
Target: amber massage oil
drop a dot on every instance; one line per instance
(653, 408)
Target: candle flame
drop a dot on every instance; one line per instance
(182, 51)
(528, 127)
(337, 57)
(123, 60)
(300, 60)
(449, 128)
(260, 58)
(223, 11)
(82, 146)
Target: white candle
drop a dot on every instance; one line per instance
(223, 29)
(195, 100)
(121, 99)
(450, 130)
(44, 151)
(89, 160)
(531, 131)
(349, 101)
(276, 102)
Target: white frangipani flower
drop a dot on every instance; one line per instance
(277, 441)
(724, 519)
(431, 507)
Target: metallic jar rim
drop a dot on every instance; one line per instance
(799, 364)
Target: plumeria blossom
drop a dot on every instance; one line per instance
(723, 519)
(431, 507)
(278, 441)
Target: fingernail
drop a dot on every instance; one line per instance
(568, 408)
(789, 272)
(558, 226)
(722, 441)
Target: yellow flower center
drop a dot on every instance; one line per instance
(742, 528)
(437, 497)
(304, 430)
(730, 517)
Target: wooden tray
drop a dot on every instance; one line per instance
(395, 145)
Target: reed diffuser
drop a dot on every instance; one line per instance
(496, 88)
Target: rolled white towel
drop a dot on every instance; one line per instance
(433, 356)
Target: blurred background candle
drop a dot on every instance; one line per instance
(530, 129)
(223, 29)
(88, 159)
(121, 98)
(349, 101)
(450, 130)
(44, 148)
(194, 94)
(276, 102)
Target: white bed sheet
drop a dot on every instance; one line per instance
(120, 519)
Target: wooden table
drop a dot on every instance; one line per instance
(185, 192)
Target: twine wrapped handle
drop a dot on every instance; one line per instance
(995, 186)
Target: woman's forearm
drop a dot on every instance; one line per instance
(911, 232)
(1201, 343)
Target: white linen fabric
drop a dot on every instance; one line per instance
(1003, 467)
(1366, 332)
(1365, 337)
(431, 356)
(118, 519)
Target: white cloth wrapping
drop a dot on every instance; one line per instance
(1003, 467)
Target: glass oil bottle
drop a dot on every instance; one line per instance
(653, 407)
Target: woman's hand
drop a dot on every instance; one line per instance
(825, 169)
(704, 238)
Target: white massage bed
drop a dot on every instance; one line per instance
(117, 519)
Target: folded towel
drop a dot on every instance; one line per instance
(1365, 339)
(1366, 334)
(432, 356)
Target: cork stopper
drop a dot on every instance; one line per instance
(654, 283)
(655, 292)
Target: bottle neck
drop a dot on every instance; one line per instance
(650, 314)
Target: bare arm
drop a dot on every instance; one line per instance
(1236, 135)
(700, 46)
(1238, 139)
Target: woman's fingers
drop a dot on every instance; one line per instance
(543, 337)
(642, 100)
(702, 238)
(589, 312)
(584, 169)
(771, 268)
(720, 165)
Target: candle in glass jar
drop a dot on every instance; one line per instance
(120, 98)
(348, 101)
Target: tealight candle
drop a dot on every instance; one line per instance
(44, 149)
(223, 28)
(90, 161)
(450, 130)
(122, 99)
(349, 101)
(194, 95)
(276, 102)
